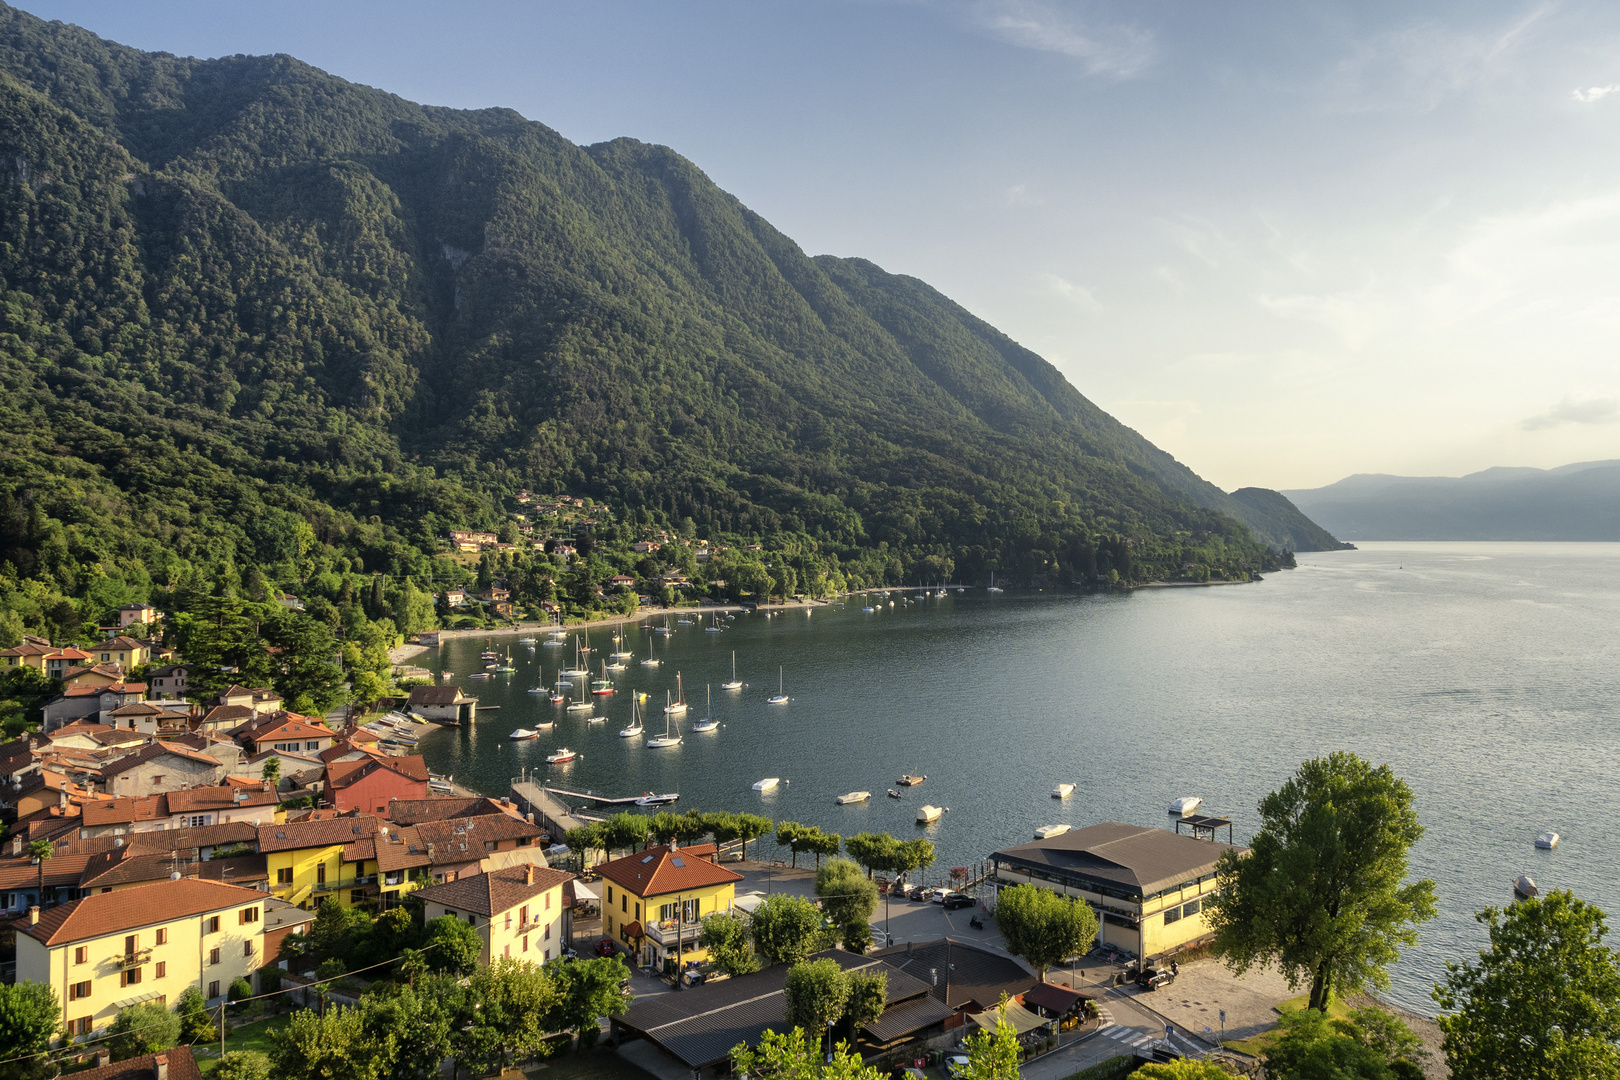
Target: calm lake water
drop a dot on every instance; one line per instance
(1488, 675)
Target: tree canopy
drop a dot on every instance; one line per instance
(1042, 927)
(1322, 891)
(786, 929)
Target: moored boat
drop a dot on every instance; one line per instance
(524, 733)
(653, 799)
(1185, 805)
(893, 794)
(1046, 832)
(562, 756)
(853, 797)
(1548, 840)
(735, 683)
(929, 814)
(909, 780)
(767, 784)
(781, 697)
(1063, 791)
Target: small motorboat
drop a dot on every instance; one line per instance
(1525, 888)
(1185, 805)
(653, 799)
(525, 641)
(767, 784)
(929, 814)
(524, 733)
(1063, 791)
(893, 794)
(479, 675)
(853, 797)
(561, 757)
(869, 610)
(539, 690)
(1046, 832)
(1548, 840)
(909, 780)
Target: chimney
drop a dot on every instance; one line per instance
(103, 1058)
(33, 915)
(16, 844)
(674, 844)
(160, 1067)
(528, 873)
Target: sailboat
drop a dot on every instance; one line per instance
(540, 687)
(679, 704)
(604, 685)
(714, 626)
(506, 667)
(666, 739)
(578, 671)
(584, 704)
(735, 683)
(635, 720)
(708, 723)
(992, 587)
(651, 661)
(619, 651)
(781, 697)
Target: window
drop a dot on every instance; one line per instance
(130, 977)
(199, 820)
(81, 1026)
(247, 947)
(548, 901)
(320, 873)
(1172, 915)
(610, 894)
(132, 945)
(81, 954)
(357, 896)
(284, 876)
(1192, 907)
(106, 657)
(525, 942)
(523, 915)
(548, 954)
(163, 936)
(212, 925)
(311, 745)
(213, 956)
(508, 920)
(489, 845)
(79, 990)
(624, 904)
(213, 989)
(638, 909)
(157, 779)
(548, 931)
(162, 970)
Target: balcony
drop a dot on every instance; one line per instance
(125, 961)
(664, 931)
(341, 884)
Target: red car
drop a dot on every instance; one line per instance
(605, 947)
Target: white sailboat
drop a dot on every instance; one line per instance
(584, 704)
(651, 661)
(992, 587)
(620, 653)
(735, 683)
(635, 721)
(708, 723)
(666, 739)
(678, 706)
(781, 697)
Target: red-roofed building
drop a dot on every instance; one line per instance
(371, 785)
(659, 896)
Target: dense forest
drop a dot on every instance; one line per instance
(264, 330)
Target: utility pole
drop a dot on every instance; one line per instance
(222, 1030)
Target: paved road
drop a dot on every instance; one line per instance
(1126, 1027)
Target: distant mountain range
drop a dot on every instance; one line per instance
(1573, 502)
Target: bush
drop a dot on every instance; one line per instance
(242, 1065)
(331, 969)
(269, 979)
(143, 1029)
(240, 990)
(196, 1025)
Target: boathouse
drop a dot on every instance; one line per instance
(443, 704)
(1147, 886)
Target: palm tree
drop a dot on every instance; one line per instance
(41, 850)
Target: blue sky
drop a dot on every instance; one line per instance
(1286, 241)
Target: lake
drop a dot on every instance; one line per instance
(1488, 675)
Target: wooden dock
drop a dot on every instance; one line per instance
(603, 800)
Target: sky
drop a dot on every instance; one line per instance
(1286, 241)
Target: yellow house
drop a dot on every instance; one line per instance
(121, 650)
(112, 950)
(358, 860)
(656, 900)
(520, 911)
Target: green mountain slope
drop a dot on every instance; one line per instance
(241, 293)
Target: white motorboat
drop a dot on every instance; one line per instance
(651, 799)
(929, 814)
(1046, 832)
(561, 757)
(1548, 840)
(767, 784)
(708, 723)
(1185, 805)
(781, 697)
(635, 720)
(668, 738)
(1525, 888)
(854, 797)
(735, 683)
(524, 733)
(525, 641)
(678, 706)
(1063, 791)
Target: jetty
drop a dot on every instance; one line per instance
(552, 815)
(603, 800)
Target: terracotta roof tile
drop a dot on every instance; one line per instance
(111, 913)
(304, 834)
(497, 891)
(181, 1066)
(222, 797)
(654, 872)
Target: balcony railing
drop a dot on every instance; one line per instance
(664, 930)
(132, 960)
(346, 883)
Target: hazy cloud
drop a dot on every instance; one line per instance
(1078, 295)
(1594, 93)
(1573, 410)
(1118, 51)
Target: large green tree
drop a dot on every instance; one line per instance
(992, 1053)
(514, 1000)
(726, 937)
(30, 1018)
(786, 929)
(846, 895)
(335, 1045)
(1042, 927)
(453, 946)
(586, 991)
(142, 1029)
(1322, 892)
(797, 1055)
(816, 994)
(1543, 1001)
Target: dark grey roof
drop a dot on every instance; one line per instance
(907, 1017)
(1128, 857)
(701, 1025)
(959, 973)
(438, 695)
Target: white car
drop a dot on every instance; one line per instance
(956, 1064)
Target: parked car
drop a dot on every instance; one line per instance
(956, 900)
(918, 892)
(956, 1064)
(1152, 978)
(605, 947)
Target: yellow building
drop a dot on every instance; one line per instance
(656, 900)
(112, 950)
(520, 911)
(1147, 886)
(123, 651)
(358, 860)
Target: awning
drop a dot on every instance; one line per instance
(150, 995)
(1020, 1018)
(632, 930)
(583, 891)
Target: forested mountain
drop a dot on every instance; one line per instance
(257, 320)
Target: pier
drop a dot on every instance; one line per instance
(550, 814)
(587, 796)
